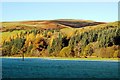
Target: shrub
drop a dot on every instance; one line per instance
(88, 50)
(14, 50)
(65, 52)
(116, 54)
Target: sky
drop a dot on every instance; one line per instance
(96, 11)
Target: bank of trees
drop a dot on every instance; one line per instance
(97, 41)
(102, 42)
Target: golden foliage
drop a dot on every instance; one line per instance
(51, 40)
(49, 34)
(8, 39)
(65, 52)
(29, 39)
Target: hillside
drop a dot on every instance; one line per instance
(47, 24)
(61, 38)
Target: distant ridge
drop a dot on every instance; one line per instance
(48, 24)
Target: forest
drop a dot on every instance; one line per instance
(99, 40)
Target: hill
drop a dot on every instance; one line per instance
(61, 38)
(47, 24)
